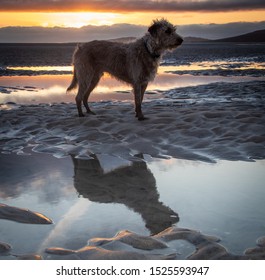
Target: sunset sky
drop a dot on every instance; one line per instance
(78, 13)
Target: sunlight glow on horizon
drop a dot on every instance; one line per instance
(56, 19)
(79, 19)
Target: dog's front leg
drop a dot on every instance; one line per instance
(143, 88)
(137, 90)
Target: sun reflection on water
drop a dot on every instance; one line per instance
(215, 65)
(49, 87)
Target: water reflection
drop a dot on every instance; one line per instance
(52, 88)
(216, 65)
(113, 198)
(133, 186)
(41, 68)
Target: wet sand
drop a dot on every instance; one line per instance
(207, 123)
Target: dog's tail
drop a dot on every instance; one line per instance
(74, 82)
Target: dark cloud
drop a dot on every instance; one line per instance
(88, 33)
(129, 5)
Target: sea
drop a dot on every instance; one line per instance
(220, 58)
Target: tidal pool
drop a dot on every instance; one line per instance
(101, 196)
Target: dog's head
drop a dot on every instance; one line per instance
(165, 34)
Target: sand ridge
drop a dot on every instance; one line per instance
(206, 123)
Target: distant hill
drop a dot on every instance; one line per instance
(186, 39)
(252, 37)
(195, 40)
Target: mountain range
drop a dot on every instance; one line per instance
(89, 33)
(252, 37)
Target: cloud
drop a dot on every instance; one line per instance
(130, 5)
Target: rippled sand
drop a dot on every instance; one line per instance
(206, 123)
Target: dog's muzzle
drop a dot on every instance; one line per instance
(179, 41)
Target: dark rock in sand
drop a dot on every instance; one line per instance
(256, 251)
(192, 236)
(59, 251)
(132, 239)
(22, 215)
(4, 248)
(97, 253)
(261, 241)
(209, 251)
(28, 257)
(206, 247)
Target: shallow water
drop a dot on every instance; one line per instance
(40, 73)
(52, 88)
(99, 197)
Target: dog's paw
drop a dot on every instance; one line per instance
(91, 113)
(142, 118)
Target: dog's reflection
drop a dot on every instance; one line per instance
(133, 186)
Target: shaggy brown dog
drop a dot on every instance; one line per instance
(135, 63)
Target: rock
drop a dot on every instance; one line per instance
(28, 257)
(255, 250)
(209, 251)
(59, 251)
(4, 248)
(95, 253)
(261, 241)
(192, 236)
(22, 215)
(132, 239)
(256, 253)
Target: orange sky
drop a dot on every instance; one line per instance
(78, 19)
(77, 13)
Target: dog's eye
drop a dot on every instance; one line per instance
(168, 31)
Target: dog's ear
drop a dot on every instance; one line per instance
(153, 29)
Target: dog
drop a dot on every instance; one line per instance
(134, 63)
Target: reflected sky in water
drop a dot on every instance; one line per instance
(217, 65)
(101, 196)
(52, 88)
(224, 199)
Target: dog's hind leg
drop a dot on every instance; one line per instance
(90, 88)
(83, 85)
(78, 100)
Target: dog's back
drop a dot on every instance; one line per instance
(103, 56)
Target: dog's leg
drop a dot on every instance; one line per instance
(138, 98)
(92, 85)
(78, 102)
(138, 102)
(79, 98)
(143, 88)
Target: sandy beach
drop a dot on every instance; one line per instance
(206, 123)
